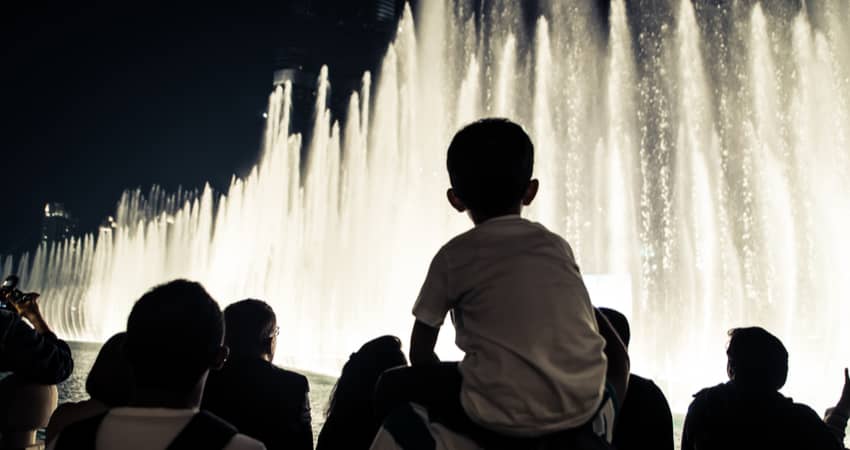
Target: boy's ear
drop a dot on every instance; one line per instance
(530, 192)
(455, 201)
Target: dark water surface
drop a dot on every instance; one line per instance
(74, 389)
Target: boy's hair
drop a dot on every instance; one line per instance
(757, 358)
(490, 163)
(173, 334)
(250, 324)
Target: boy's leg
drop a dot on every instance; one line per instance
(436, 387)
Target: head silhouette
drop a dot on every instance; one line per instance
(756, 359)
(490, 164)
(110, 380)
(351, 398)
(250, 329)
(174, 336)
(619, 322)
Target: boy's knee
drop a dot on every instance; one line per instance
(389, 391)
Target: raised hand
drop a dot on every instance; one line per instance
(843, 405)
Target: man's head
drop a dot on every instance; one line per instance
(174, 336)
(757, 359)
(490, 163)
(251, 329)
(619, 322)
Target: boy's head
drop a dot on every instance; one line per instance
(490, 163)
(174, 336)
(756, 359)
(251, 329)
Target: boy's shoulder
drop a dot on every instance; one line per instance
(507, 227)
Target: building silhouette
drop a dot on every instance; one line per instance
(57, 224)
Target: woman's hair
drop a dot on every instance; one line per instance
(351, 397)
(110, 379)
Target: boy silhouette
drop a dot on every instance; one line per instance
(534, 361)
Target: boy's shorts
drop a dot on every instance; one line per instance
(437, 389)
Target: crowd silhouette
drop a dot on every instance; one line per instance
(542, 367)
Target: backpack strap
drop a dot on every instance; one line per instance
(80, 435)
(205, 431)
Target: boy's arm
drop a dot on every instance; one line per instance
(618, 357)
(422, 343)
(430, 309)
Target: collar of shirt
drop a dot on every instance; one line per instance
(504, 218)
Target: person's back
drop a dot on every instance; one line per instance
(730, 418)
(34, 354)
(109, 385)
(644, 420)
(534, 362)
(174, 336)
(263, 401)
(37, 360)
(524, 320)
(748, 411)
(351, 423)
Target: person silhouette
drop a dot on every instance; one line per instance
(748, 412)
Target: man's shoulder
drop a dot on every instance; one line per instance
(288, 378)
(804, 413)
(644, 386)
(243, 442)
(708, 396)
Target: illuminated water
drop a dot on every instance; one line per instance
(698, 156)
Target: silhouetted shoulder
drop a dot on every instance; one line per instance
(709, 392)
(289, 378)
(645, 388)
(813, 432)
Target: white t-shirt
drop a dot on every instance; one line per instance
(151, 429)
(534, 360)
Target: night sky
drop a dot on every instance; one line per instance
(102, 98)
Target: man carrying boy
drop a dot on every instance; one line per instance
(534, 361)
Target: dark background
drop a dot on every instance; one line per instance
(101, 98)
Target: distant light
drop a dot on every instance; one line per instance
(265, 115)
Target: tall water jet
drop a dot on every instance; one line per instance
(696, 152)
